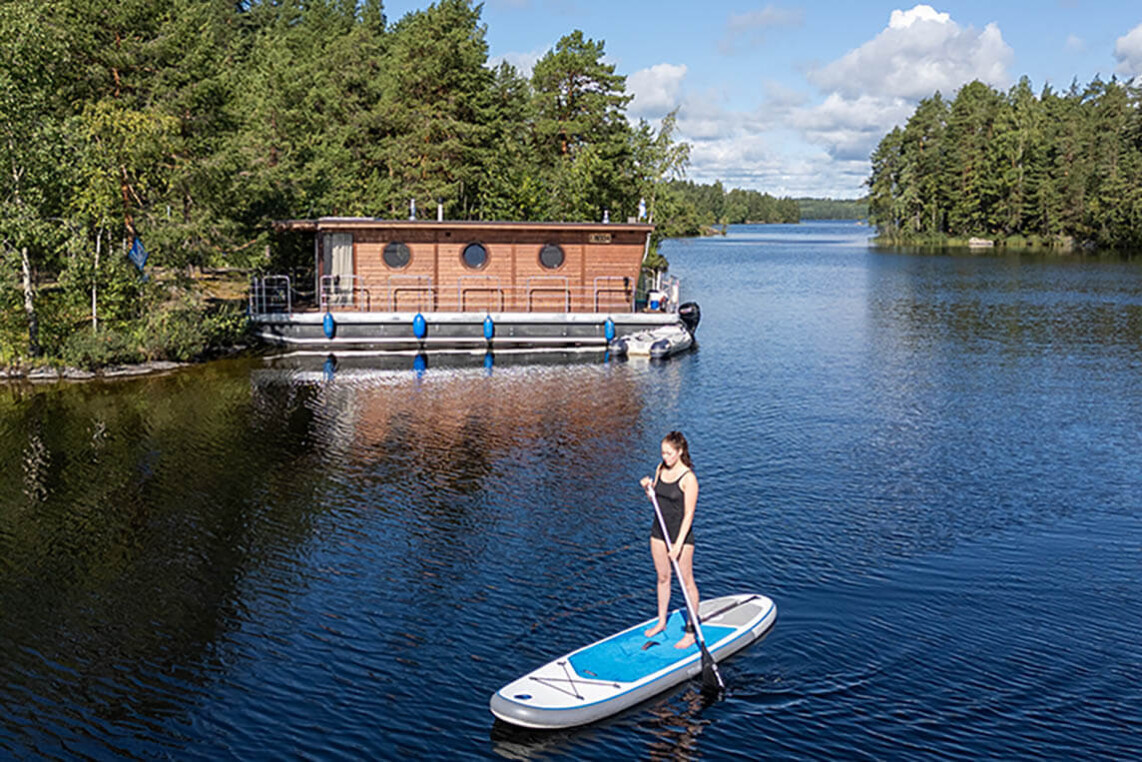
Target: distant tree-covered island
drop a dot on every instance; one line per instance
(1061, 169)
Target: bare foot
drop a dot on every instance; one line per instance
(686, 642)
(655, 630)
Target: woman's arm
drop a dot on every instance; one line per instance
(689, 486)
(647, 482)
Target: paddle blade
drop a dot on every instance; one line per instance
(711, 678)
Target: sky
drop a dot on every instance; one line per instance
(790, 98)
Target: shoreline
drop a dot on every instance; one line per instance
(42, 374)
(980, 244)
(51, 373)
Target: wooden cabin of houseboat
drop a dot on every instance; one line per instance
(391, 284)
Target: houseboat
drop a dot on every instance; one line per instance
(421, 286)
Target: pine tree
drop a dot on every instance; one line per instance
(437, 104)
(921, 159)
(1013, 149)
(968, 173)
(581, 134)
(883, 184)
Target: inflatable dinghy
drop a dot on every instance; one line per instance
(657, 343)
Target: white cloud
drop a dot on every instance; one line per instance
(779, 97)
(656, 90)
(899, 19)
(751, 26)
(876, 86)
(1128, 53)
(523, 62)
(757, 162)
(850, 128)
(789, 146)
(919, 52)
(1074, 44)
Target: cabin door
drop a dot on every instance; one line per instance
(337, 283)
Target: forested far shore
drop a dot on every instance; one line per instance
(690, 209)
(833, 208)
(1061, 169)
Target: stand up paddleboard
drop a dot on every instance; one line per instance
(619, 671)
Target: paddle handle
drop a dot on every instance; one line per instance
(682, 583)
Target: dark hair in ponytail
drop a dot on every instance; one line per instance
(676, 440)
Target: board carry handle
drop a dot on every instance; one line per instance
(711, 677)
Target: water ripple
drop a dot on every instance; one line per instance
(930, 462)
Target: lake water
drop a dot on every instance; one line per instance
(931, 462)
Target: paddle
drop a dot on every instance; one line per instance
(711, 677)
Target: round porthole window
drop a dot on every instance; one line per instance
(475, 256)
(396, 255)
(551, 256)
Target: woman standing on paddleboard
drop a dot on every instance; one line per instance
(676, 488)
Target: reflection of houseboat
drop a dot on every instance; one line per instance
(422, 286)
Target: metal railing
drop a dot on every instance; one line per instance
(473, 293)
(342, 292)
(270, 293)
(548, 284)
(488, 284)
(612, 284)
(658, 288)
(420, 286)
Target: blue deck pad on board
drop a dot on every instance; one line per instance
(623, 659)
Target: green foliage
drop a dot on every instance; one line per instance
(1015, 168)
(436, 97)
(90, 349)
(181, 330)
(578, 100)
(184, 329)
(833, 208)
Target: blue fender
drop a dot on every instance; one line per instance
(489, 328)
(419, 326)
(609, 329)
(330, 325)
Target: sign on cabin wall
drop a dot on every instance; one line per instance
(599, 238)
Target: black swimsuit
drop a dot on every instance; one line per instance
(672, 501)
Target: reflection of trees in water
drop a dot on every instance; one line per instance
(128, 517)
(441, 441)
(446, 461)
(676, 725)
(1013, 301)
(35, 462)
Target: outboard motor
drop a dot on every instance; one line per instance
(690, 314)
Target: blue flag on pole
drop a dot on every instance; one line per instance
(137, 254)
